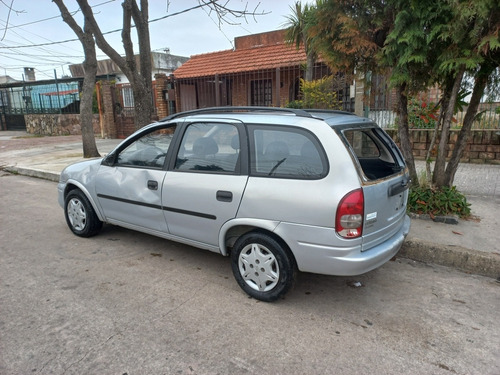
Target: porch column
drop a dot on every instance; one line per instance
(278, 88)
(359, 97)
(161, 103)
(109, 125)
(217, 91)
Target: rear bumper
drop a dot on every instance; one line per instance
(314, 254)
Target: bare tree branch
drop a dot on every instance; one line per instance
(8, 16)
(66, 16)
(226, 15)
(127, 41)
(100, 40)
(141, 20)
(140, 74)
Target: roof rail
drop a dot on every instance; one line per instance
(229, 109)
(332, 111)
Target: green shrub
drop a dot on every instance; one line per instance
(444, 201)
(317, 94)
(296, 104)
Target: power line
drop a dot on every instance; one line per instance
(42, 44)
(39, 36)
(41, 47)
(105, 33)
(29, 61)
(54, 17)
(52, 55)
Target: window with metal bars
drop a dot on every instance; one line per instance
(127, 96)
(261, 92)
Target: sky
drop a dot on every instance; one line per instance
(36, 30)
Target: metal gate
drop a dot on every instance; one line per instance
(124, 110)
(15, 122)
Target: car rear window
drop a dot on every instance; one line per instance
(375, 155)
(286, 152)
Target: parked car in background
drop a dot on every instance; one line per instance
(277, 190)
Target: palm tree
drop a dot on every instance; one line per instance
(296, 33)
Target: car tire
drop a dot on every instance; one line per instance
(80, 215)
(263, 267)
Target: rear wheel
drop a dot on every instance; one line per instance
(80, 215)
(263, 267)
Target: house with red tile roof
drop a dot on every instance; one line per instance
(261, 70)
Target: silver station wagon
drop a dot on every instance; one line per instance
(277, 190)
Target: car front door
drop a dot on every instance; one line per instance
(129, 186)
(205, 181)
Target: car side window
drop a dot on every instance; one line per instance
(148, 151)
(287, 153)
(209, 147)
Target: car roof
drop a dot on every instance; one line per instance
(287, 115)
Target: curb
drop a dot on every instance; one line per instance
(30, 172)
(466, 260)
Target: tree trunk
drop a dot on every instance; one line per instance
(90, 68)
(141, 86)
(86, 116)
(445, 99)
(310, 67)
(143, 108)
(144, 114)
(464, 135)
(439, 167)
(404, 132)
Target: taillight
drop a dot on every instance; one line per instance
(350, 213)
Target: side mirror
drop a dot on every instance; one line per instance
(109, 160)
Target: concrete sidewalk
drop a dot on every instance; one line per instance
(472, 245)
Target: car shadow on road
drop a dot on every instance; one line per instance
(165, 255)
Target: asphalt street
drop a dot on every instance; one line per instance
(128, 303)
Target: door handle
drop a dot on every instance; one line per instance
(152, 185)
(224, 196)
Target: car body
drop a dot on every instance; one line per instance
(278, 190)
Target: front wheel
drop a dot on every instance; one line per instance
(263, 267)
(80, 215)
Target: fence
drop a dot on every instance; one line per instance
(421, 111)
(54, 96)
(272, 87)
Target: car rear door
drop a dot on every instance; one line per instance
(385, 182)
(205, 180)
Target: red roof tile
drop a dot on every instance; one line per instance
(241, 60)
